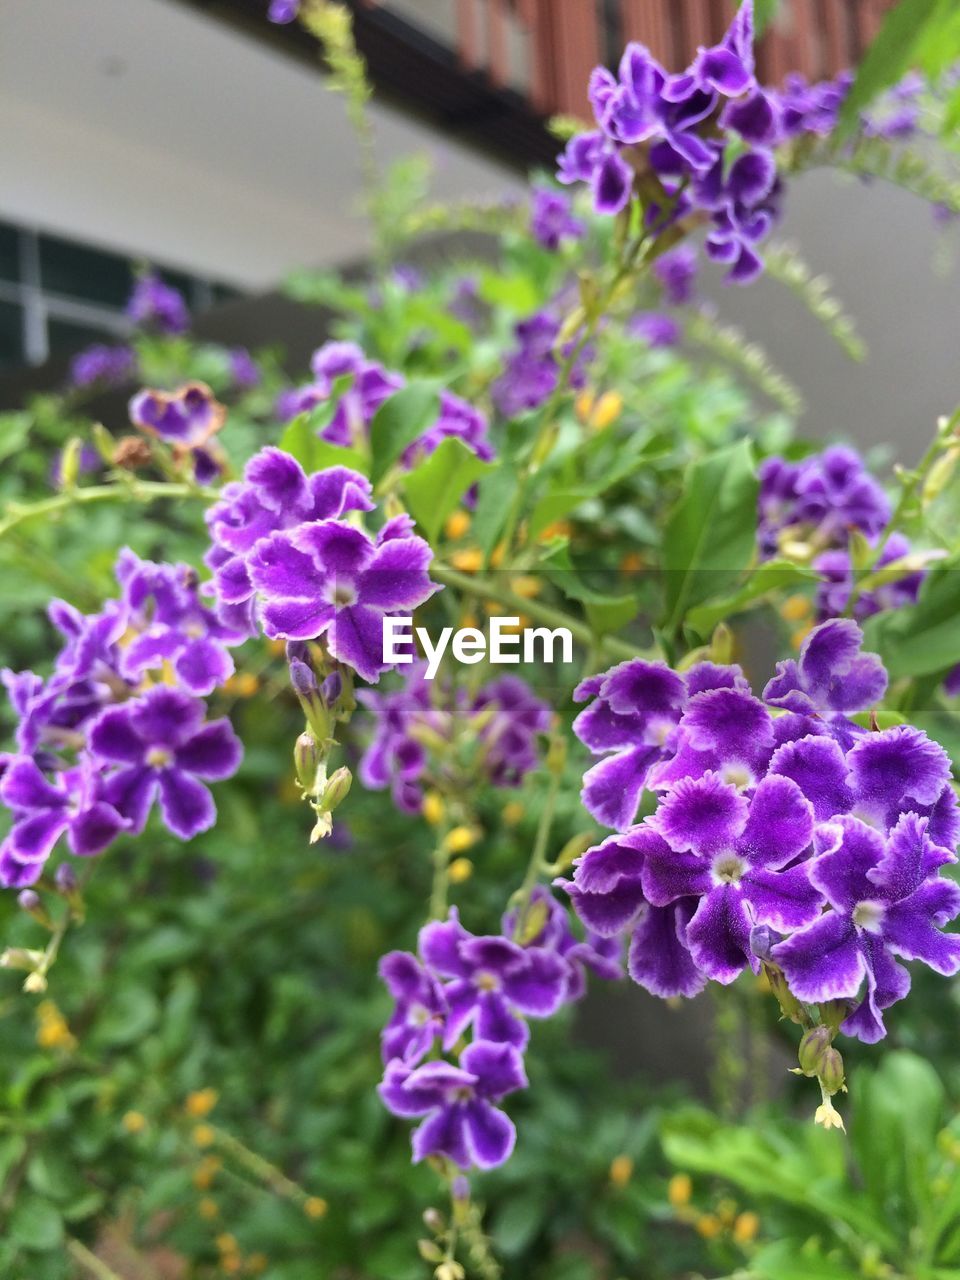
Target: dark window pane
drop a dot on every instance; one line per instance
(9, 252)
(11, 336)
(78, 272)
(66, 336)
(224, 293)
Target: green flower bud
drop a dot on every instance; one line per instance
(429, 1251)
(306, 760)
(336, 790)
(70, 463)
(813, 1046)
(831, 1070)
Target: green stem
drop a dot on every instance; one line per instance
(136, 491)
(441, 864)
(94, 1265)
(538, 857)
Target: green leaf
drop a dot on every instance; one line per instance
(35, 1224)
(301, 440)
(493, 502)
(561, 570)
(518, 1222)
(923, 639)
(14, 429)
(773, 575)
(891, 55)
(435, 487)
(399, 421)
(711, 535)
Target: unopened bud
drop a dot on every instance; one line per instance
(830, 1074)
(721, 645)
(336, 790)
(433, 1220)
(35, 984)
(460, 1188)
(70, 463)
(430, 1251)
(103, 442)
(21, 958)
(331, 688)
(28, 900)
(940, 474)
(813, 1046)
(303, 680)
(762, 941)
(572, 850)
(449, 1271)
(306, 760)
(65, 878)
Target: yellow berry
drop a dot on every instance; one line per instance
(226, 1243)
(457, 526)
(134, 1122)
(746, 1228)
(208, 1208)
(205, 1172)
(498, 555)
(607, 410)
(203, 1135)
(525, 586)
(558, 529)
(513, 813)
(433, 808)
(679, 1190)
(796, 608)
(709, 1226)
(315, 1207)
(201, 1103)
(621, 1170)
(469, 560)
(460, 869)
(460, 839)
(583, 405)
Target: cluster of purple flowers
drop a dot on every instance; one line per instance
(97, 742)
(280, 539)
(532, 370)
(154, 304)
(817, 504)
(503, 719)
(370, 384)
(552, 220)
(102, 366)
(487, 986)
(783, 832)
(187, 420)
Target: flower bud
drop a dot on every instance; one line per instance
(762, 941)
(429, 1251)
(21, 958)
(28, 900)
(70, 463)
(65, 878)
(306, 760)
(338, 785)
(831, 1070)
(303, 680)
(332, 688)
(460, 1188)
(433, 1220)
(813, 1046)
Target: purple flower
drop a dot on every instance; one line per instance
(533, 369)
(274, 495)
(461, 1120)
(330, 579)
(159, 306)
(886, 899)
(72, 804)
(831, 676)
(172, 626)
(161, 746)
(552, 219)
(509, 735)
(820, 500)
(186, 418)
(654, 328)
(244, 371)
(600, 955)
(894, 589)
(676, 271)
(395, 756)
(417, 1020)
(283, 11)
(102, 365)
(490, 982)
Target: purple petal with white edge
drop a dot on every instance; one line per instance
(148, 650)
(402, 1096)
(612, 787)
(823, 961)
(399, 526)
(334, 548)
(396, 577)
(910, 858)
(186, 804)
(719, 934)
(669, 875)
(95, 828)
(214, 752)
(279, 480)
(751, 177)
(607, 914)
(753, 117)
(491, 1135)
(659, 959)
(498, 1068)
(723, 70)
(356, 637)
(202, 665)
(850, 851)
(402, 974)
(887, 982)
(645, 688)
(705, 815)
(337, 490)
(818, 767)
(31, 839)
(492, 953)
(612, 184)
(496, 1022)
(16, 874)
(438, 945)
(165, 717)
(296, 619)
(786, 689)
(618, 858)
(600, 728)
(131, 792)
(702, 677)
(730, 722)
(783, 899)
(24, 787)
(112, 737)
(232, 581)
(896, 765)
(279, 570)
(537, 989)
(910, 927)
(443, 1134)
(779, 826)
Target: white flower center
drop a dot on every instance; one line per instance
(869, 916)
(159, 757)
(485, 981)
(728, 868)
(737, 775)
(341, 595)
